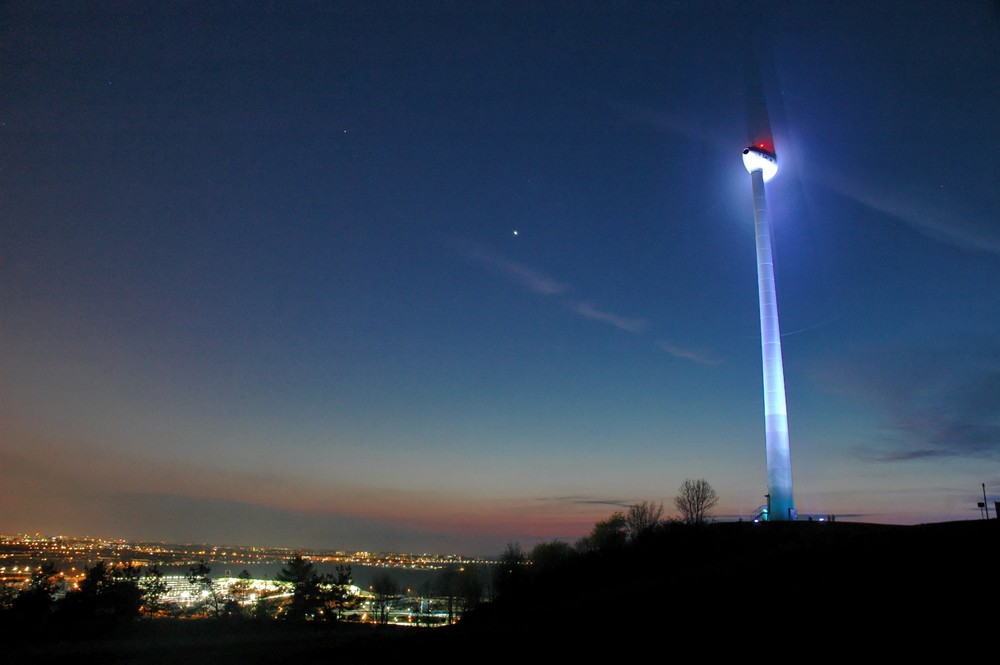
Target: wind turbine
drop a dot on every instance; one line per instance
(759, 159)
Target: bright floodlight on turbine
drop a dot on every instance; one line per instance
(762, 166)
(758, 159)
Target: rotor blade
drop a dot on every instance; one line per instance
(758, 117)
(759, 62)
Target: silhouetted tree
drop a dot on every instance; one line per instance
(548, 556)
(153, 590)
(125, 593)
(35, 601)
(642, 517)
(510, 572)
(444, 587)
(461, 587)
(315, 596)
(606, 535)
(386, 591)
(306, 595)
(200, 576)
(108, 591)
(695, 501)
(240, 591)
(8, 592)
(468, 588)
(269, 604)
(336, 592)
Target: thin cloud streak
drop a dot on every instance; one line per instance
(540, 284)
(530, 279)
(938, 404)
(520, 273)
(588, 311)
(586, 501)
(906, 455)
(697, 355)
(915, 211)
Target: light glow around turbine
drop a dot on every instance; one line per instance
(758, 159)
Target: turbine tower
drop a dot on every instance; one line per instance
(762, 166)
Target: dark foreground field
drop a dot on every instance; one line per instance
(728, 590)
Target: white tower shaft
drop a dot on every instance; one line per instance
(779, 463)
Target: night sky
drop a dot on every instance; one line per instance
(442, 276)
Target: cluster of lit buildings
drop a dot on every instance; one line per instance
(22, 555)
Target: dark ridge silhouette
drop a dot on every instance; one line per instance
(735, 589)
(744, 582)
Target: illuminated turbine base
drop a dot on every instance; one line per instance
(779, 462)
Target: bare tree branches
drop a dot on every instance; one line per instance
(695, 501)
(642, 517)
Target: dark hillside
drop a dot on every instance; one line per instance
(720, 590)
(726, 583)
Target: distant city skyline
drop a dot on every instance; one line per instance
(54, 547)
(260, 281)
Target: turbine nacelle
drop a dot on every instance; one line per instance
(758, 159)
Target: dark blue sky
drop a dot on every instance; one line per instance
(259, 280)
